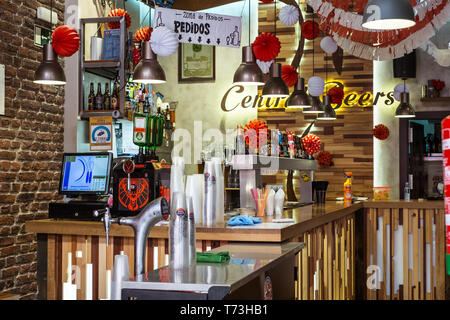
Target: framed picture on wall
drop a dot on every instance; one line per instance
(196, 63)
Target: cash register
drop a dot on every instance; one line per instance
(84, 181)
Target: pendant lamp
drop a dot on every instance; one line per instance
(275, 86)
(316, 106)
(329, 113)
(405, 110)
(388, 15)
(49, 71)
(299, 98)
(248, 73)
(148, 69)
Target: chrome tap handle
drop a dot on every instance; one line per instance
(106, 219)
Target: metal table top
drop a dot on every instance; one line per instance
(247, 261)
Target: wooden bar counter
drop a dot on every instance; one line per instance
(390, 241)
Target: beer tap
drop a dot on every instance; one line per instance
(151, 214)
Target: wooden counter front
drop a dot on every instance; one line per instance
(341, 243)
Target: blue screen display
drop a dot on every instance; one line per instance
(85, 173)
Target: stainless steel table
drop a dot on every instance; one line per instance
(255, 271)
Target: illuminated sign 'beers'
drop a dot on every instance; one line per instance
(351, 99)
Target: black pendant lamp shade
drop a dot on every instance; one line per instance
(316, 105)
(148, 69)
(405, 110)
(248, 72)
(388, 15)
(299, 98)
(49, 71)
(275, 86)
(329, 113)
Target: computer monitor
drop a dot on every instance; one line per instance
(85, 173)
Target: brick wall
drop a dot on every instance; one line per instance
(31, 144)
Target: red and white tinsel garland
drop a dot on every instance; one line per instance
(345, 28)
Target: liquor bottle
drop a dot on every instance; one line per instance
(240, 141)
(107, 98)
(159, 128)
(91, 98)
(151, 124)
(99, 98)
(115, 97)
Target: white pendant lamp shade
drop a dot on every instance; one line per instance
(388, 15)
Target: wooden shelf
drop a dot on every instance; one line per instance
(100, 113)
(232, 189)
(438, 99)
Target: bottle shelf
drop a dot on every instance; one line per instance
(98, 113)
(438, 99)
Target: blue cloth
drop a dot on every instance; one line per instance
(243, 221)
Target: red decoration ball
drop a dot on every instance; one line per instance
(289, 75)
(336, 94)
(266, 47)
(324, 159)
(266, 1)
(252, 137)
(143, 34)
(310, 30)
(65, 41)
(381, 132)
(311, 143)
(118, 13)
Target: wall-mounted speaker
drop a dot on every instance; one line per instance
(405, 67)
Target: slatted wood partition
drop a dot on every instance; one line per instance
(326, 265)
(349, 138)
(405, 254)
(92, 250)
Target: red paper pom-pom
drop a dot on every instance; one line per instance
(142, 34)
(252, 133)
(311, 143)
(310, 30)
(289, 75)
(118, 13)
(65, 41)
(266, 47)
(381, 132)
(336, 94)
(324, 159)
(266, 1)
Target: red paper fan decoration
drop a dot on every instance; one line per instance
(381, 132)
(310, 30)
(289, 75)
(142, 34)
(324, 159)
(311, 143)
(266, 47)
(118, 13)
(336, 94)
(65, 41)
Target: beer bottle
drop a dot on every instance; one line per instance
(91, 98)
(99, 98)
(115, 96)
(107, 98)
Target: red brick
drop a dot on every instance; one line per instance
(9, 272)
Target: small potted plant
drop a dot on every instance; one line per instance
(438, 85)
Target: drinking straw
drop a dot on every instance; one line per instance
(263, 205)
(255, 197)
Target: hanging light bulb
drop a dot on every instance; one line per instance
(248, 73)
(405, 110)
(299, 98)
(316, 105)
(329, 113)
(388, 15)
(275, 87)
(148, 69)
(49, 71)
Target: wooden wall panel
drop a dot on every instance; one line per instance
(349, 138)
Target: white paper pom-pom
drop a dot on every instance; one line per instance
(328, 45)
(164, 42)
(289, 15)
(316, 85)
(264, 66)
(399, 89)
